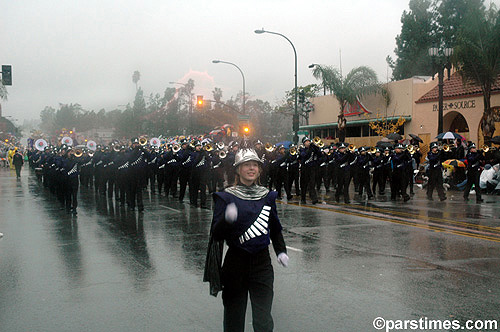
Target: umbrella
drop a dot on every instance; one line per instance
(454, 163)
(215, 132)
(394, 136)
(383, 144)
(415, 137)
(495, 140)
(449, 135)
(286, 144)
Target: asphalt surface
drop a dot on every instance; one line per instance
(108, 269)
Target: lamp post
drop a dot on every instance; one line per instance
(242, 75)
(440, 61)
(296, 111)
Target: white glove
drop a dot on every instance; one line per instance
(1, 234)
(283, 259)
(231, 213)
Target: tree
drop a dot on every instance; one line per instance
(3, 92)
(48, 116)
(477, 57)
(358, 82)
(135, 78)
(413, 42)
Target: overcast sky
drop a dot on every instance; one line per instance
(86, 51)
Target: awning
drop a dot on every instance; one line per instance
(349, 123)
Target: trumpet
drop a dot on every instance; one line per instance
(222, 154)
(176, 148)
(372, 150)
(78, 153)
(116, 147)
(351, 148)
(412, 149)
(486, 148)
(387, 153)
(143, 141)
(269, 147)
(208, 147)
(91, 153)
(293, 150)
(446, 148)
(318, 142)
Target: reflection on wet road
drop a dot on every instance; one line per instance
(109, 269)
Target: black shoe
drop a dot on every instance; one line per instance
(479, 200)
(370, 197)
(406, 198)
(289, 198)
(140, 209)
(466, 198)
(443, 199)
(381, 193)
(337, 199)
(347, 201)
(302, 201)
(74, 212)
(315, 202)
(430, 198)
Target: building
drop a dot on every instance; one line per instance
(416, 101)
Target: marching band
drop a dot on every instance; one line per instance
(169, 167)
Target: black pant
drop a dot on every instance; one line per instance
(399, 184)
(472, 179)
(198, 183)
(293, 177)
(71, 193)
(18, 170)
(184, 177)
(435, 182)
(364, 182)
(378, 180)
(343, 180)
(308, 182)
(243, 273)
(135, 189)
(282, 181)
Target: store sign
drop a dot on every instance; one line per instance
(457, 105)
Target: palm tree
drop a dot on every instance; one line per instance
(135, 78)
(477, 57)
(358, 82)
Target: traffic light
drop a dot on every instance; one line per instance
(302, 96)
(6, 74)
(244, 128)
(200, 102)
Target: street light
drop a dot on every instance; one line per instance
(243, 76)
(440, 61)
(296, 111)
(312, 65)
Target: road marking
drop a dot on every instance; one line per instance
(294, 249)
(439, 228)
(169, 208)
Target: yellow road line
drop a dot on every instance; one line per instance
(427, 227)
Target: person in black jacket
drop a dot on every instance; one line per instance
(474, 159)
(435, 158)
(18, 162)
(245, 216)
(309, 156)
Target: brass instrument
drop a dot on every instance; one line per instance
(412, 149)
(269, 147)
(78, 153)
(222, 154)
(143, 141)
(351, 148)
(208, 147)
(293, 150)
(318, 142)
(116, 147)
(176, 148)
(387, 153)
(220, 145)
(91, 153)
(485, 148)
(446, 148)
(191, 144)
(372, 150)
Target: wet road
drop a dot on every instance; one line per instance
(112, 270)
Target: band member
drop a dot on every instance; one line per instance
(322, 174)
(245, 216)
(474, 159)
(378, 172)
(121, 162)
(198, 183)
(137, 163)
(70, 178)
(281, 173)
(172, 169)
(229, 162)
(363, 164)
(343, 161)
(184, 159)
(435, 158)
(293, 170)
(399, 181)
(309, 156)
(217, 179)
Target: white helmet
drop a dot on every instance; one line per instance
(245, 155)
